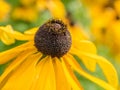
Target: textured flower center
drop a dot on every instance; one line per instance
(53, 38)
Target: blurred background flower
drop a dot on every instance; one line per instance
(95, 20)
(4, 10)
(105, 24)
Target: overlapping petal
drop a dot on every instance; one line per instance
(88, 47)
(94, 79)
(107, 68)
(46, 75)
(12, 53)
(8, 35)
(75, 85)
(25, 68)
(60, 76)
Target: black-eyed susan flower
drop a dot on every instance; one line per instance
(106, 24)
(27, 2)
(93, 2)
(4, 10)
(29, 14)
(46, 62)
(55, 7)
(112, 34)
(100, 24)
(41, 5)
(30, 8)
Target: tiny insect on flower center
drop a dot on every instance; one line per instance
(53, 38)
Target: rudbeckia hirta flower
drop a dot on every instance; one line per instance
(47, 62)
(29, 14)
(27, 2)
(105, 25)
(55, 7)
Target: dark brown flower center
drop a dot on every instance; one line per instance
(53, 38)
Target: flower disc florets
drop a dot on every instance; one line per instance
(53, 38)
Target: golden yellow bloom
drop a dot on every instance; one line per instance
(113, 33)
(94, 2)
(55, 7)
(46, 62)
(4, 10)
(106, 24)
(100, 24)
(25, 13)
(41, 4)
(117, 6)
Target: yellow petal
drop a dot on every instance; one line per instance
(12, 53)
(98, 81)
(20, 36)
(46, 75)
(7, 38)
(70, 76)
(70, 59)
(41, 4)
(90, 64)
(77, 33)
(61, 79)
(31, 31)
(8, 35)
(23, 76)
(86, 46)
(106, 66)
(15, 63)
(108, 70)
(56, 8)
(7, 29)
